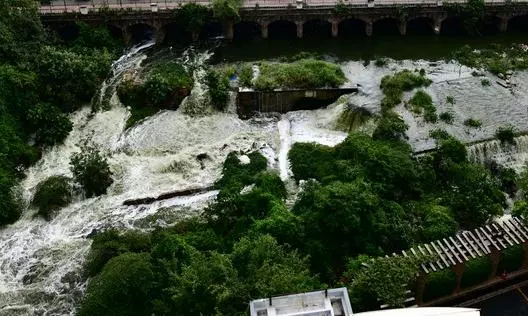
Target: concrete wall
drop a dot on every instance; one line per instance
(283, 101)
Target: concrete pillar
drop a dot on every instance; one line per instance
(494, 257)
(420, 287)
(159, 35)
(335, 28)
(437, 27)
(264, 29)
(402, 27)
(368, 28)
(299, 28)
(228, 30)
(503, 24)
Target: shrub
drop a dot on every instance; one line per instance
(218, 89)
(52, 194)
(485, 82)
(193, 16)
(225, 10)
(450, 99)
(245, 75)
(390, 127)
(472, 123)
(476, 271)
(310, 161)
(10, 206)
(393, 86)
(439, 134)
(447, 117)
(506, 134)
(380, 62)
(302, 74)
(236, 175)
(438, 284)
(51, 125)
(511, 259)
(91, 170)
(423, 101)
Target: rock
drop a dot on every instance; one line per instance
(509, 73)
(92, 233)
(202, 156)
(244, 159)
(500, 75)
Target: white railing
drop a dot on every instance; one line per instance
(77, 6)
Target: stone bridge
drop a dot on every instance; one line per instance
(282, 17)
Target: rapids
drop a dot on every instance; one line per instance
(40, 262)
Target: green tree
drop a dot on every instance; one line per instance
(226, 10)
(218, 89)
(50, 124)
(122, 288)
(390, 127)
(194, 16)
(10, 206)
(91, 170)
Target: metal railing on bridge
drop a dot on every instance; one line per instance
(88, 6)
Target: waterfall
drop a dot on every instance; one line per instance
(508, 155)
(284, 127)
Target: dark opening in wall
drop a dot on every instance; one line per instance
(282, 29)
(175, 34)
(420, 26)
(68, 31)
(453, 26)
(140, 33)
(387, 26)
(317, 29)
(351, 28)
(518, 24)
(488, 26)
(246, 31)
(211, 30)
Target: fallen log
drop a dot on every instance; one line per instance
(168, 195)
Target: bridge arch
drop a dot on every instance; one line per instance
(453, 25)
(420, 26)
(282, 29)
(176, 34)
(67, 31)
(518, 24)
(211, 29)
(317, 28)
(140, 32)
(386, 26)
(349, 28)
(246, 30)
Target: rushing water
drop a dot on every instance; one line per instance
(41, 262)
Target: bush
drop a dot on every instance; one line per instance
(310, 161)
(472, 123)
(380, 62)
(52, 194)
(218, 89)
(511, 259)
(390, 127)
(447, 117)
(91, 170)
(438, 284)
(506, 134)
(225, 10)
(10, 206)
(50, 124)
(423, 101)
(476, 271)
(393, 86)
(450, 99)
(245, 75)
(236, 175)
(302, 74)
(485, 82)
(123, 287)
(439, 134)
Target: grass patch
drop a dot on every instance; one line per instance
(506, 134)
(496, 59)
(302, 74)
(422, 102)
(394, 86)
(447, 117)
(137, 114)
(472, 123)
(245, 75)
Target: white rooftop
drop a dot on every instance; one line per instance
(331, 302)
(425, 311)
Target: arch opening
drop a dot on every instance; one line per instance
(282, 29)
(420, 26)
(350, 28)
(176, 34)
(518, 24)
(115, 31)
(211, 30)
(68, 31)
(488, 26)
(140, 33)
(317, 29)
(246, 31)
(386, 27)
(453, 26)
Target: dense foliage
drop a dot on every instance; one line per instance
(496, 59)
(52, 194)
(164, 86)
(227, 10)
(422, 102)
(476, 271)
(218, 89)
(91, 170)
(438, 284)
(511, 259)
(394, 85)
(302, 74)
(42, 79)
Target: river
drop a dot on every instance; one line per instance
(41, 262)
